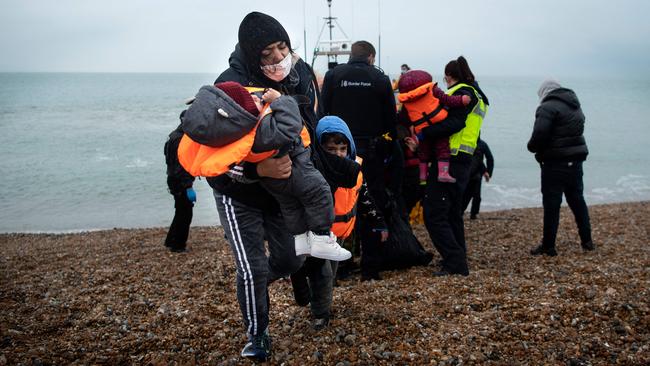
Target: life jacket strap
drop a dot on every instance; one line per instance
(347, 217)
(426, 117)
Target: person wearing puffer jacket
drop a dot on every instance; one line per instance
(560, 149)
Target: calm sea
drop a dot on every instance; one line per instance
(84, 151)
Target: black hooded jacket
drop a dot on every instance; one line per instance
(178, 179)
(559, 125)
(301, 85)
(481, 155)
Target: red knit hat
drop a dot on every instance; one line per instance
(413, 79)
(240, 95)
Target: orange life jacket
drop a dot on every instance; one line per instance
(206, 161)
(423, 108)
(345, 208)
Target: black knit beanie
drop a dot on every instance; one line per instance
(257, 31)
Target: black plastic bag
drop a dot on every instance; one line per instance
(402, 249)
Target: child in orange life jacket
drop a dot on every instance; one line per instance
(311, 284)
(335, 137)
(304, 198)
(423, 104)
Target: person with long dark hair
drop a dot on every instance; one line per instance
(442, 203)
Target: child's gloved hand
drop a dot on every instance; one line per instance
(191, 194)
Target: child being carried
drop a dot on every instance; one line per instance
(424, 103)
(272, 125)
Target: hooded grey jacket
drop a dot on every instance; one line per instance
(559, 125)
(215, 120)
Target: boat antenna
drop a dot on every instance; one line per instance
(304, 27)
(331, 48)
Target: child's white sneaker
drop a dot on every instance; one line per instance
(326, 247)
(302, 244)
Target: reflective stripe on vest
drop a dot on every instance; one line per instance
(465, 139)
(423, 108)
(345, 208)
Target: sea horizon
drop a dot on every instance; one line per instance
(85, 148)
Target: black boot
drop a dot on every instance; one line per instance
(374, 275)
(320, 323)
(541, 249)
(588, 246)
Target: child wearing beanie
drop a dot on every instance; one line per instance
(423, 103)
(231, 112)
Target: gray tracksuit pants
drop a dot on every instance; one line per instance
(305, 197)
(246, 228)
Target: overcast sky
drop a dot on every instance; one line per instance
(562, 38)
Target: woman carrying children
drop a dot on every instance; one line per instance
(248, 213)
(442, 202)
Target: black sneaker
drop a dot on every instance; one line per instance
(588, 246)
(541, 249)
(258, 347)
(320, 323)
(178, 250)
(371, 276)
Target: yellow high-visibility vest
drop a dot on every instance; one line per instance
(465, 139)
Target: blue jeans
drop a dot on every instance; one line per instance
(246, 228)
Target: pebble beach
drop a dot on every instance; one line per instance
(119, 297)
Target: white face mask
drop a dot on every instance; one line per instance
(278, 71)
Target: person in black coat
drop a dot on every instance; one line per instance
(560, 149)
(478, 171)
(362, 95)
(180, 184)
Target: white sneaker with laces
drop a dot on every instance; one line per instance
(326, 247)
(302, 244)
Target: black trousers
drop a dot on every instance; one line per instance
(371, 257)
(318, 276)
(563, 178)
(443, 216)
(473, 193)
(249, 231)
(180, 227)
